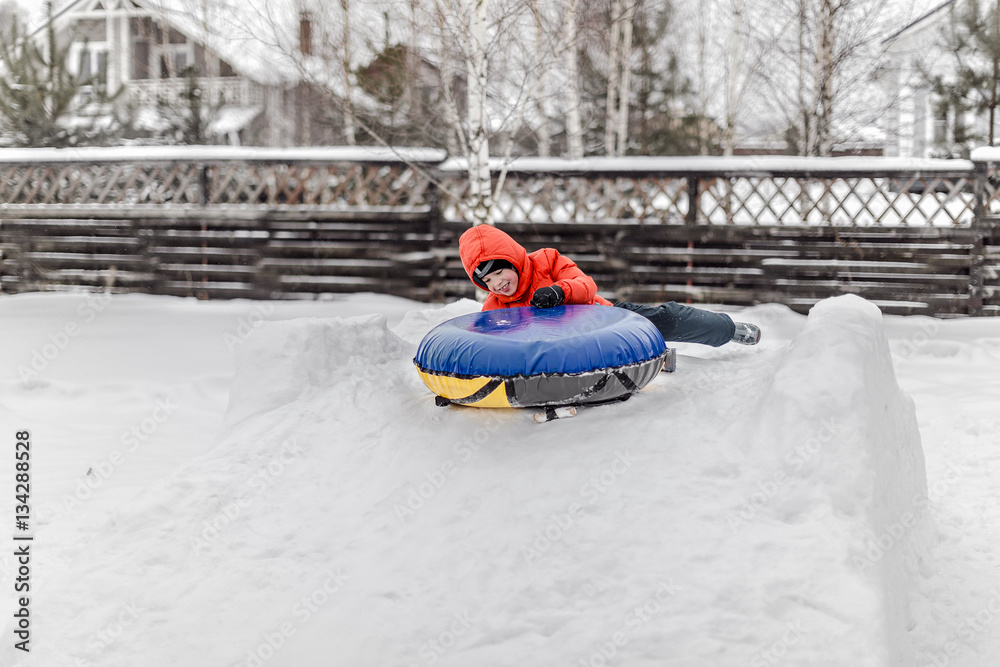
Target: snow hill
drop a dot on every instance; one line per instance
(760, 506)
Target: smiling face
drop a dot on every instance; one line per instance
(502, 282)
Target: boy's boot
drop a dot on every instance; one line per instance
(746, 334)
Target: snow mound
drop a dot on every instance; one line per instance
(836, 449)
(287, 360)
(748, 509)
(416, 323)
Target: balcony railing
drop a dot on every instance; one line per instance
(216, 91)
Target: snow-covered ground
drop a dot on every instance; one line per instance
(269, 484)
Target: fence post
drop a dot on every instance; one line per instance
(694, 199)
(434, 209)
(977, 259)
(203, 184)
(979, 175)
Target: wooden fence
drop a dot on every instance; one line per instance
(912, 236)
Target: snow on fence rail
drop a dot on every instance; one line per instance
(911, 235)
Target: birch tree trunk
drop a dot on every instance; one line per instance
(994, 100)
(704, 87)
(350, 131)
(822, 112)
(480, 201)
(611, 105)
(413, 105)
(804, 115)
(625, 83)
(574, 126)
(733, 79)
(541, 100)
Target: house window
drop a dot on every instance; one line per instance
(939, 131)
(92, 60)
(175, 59)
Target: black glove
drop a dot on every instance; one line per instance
(548, 297)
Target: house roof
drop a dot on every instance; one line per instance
(926, 20)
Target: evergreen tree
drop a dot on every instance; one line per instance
(972, 40)
(406, 112)
(44, 102)
(187, 119)
(661, 115)
(664, 121)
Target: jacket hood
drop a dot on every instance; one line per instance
(484, 242)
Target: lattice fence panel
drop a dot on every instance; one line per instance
(317, 184)
(559, 198)
(118, 183)
(991, 189)
(184, 183)
(863, 201)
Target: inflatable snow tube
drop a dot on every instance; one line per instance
(530, 357)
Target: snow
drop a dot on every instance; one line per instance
(682, 165)
(715, 164)
(985, 154)
(211, 153)
(270, 484)
(233, 119)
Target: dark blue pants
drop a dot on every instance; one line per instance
(684, 324)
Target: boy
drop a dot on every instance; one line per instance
(544, 279)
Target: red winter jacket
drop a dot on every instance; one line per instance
(539, 269)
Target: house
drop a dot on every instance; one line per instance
(918, 124)
(249, 75)
(269, 72)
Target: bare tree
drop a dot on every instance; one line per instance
(619, 76)
(456, 139)
(540, 101)
(835, 53)
(818, 141)
(350, 133)
(614, 73)
(734, 41)
(480, 183)
(574, 126)
(704, 91)
(625, 80)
